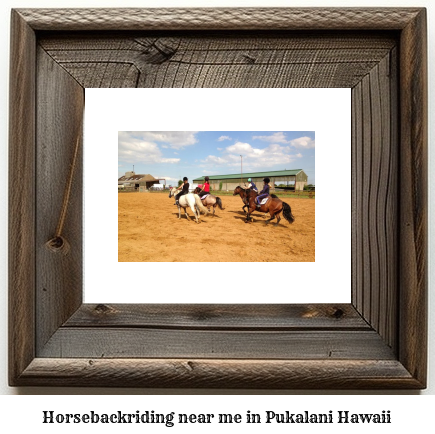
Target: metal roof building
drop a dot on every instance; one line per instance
(131, 181)
(296, 177)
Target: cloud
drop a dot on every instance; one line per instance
(303, 143)
(171, 139)
(299, 143)
(274, 138)
(215, 160)
(222, 138)
(133, 149)
(252, 157)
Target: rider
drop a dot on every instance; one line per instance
(185, 190)
(205, 188)
(265, 192)
(252, 185)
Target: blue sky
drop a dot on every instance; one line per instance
(175, 154)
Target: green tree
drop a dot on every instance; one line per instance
(180, 182)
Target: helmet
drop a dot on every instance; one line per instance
(266, 180)
(185, 179)
(249, 179)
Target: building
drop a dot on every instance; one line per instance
(296, 178)
(132, 182)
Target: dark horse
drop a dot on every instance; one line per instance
(243, 192)
(274, 206)
(210, 200)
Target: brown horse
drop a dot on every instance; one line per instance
(210, 200)
(243, 192)
(274, 206)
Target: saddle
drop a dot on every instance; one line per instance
(205, 195)
(263, 201)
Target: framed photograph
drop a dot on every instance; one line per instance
(377, 341)
(143, 235)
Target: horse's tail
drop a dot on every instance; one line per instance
(219, 202)
(200, 205)
(287, 212)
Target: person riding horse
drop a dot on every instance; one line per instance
(185, 190)
(274, 206)
(252, 185)
(208, 199)
(205, 188)
(263, 193)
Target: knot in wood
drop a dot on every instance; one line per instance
(58, 244)
(103, 309)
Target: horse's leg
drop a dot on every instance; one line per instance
(185, 213)
(249, 219)
(179, 212)
(271, 218)
(272, 215)
(194, 213)
(276, 213)
(193, 207)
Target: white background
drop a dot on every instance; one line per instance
(325, 111)
(413, 413)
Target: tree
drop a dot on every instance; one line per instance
(180, 182)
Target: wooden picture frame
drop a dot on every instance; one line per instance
(376, 342)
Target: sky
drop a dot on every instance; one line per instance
(175, 154)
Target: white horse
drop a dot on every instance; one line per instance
(189, 200)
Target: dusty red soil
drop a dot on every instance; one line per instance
(149, 231)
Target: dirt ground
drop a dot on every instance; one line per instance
(149, 231)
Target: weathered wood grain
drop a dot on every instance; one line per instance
(220, 18)
(413, 197)
(127, 342)
(379, 342)
(252, 317)
(357, 197)
(229, 374)
(375, 198)
(392, 207)
(59, 277)
(234, 60)
(21, 197)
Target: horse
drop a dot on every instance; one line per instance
(210, 200)
(274, 206)
(243, 192)
(191, 200)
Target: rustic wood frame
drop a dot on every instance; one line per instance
(378, 341)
